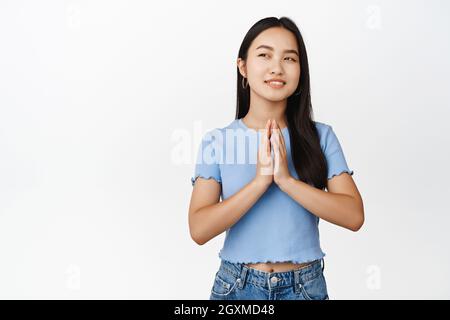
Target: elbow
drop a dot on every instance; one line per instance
(358, 223)
(194, 231)
(358, 220)
(198, 239)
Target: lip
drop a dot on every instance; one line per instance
(279, 80)
(275, 86)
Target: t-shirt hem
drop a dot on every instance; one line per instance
(297, 260)
(338, 173)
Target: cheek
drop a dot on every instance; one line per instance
(256, 68)
(256, 76)
(294, 77)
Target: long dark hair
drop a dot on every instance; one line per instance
(307, 155)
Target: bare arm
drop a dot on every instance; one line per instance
(341, 205)
(208, 217)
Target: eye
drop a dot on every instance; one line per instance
(265, 54)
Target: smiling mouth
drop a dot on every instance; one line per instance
(275, 84)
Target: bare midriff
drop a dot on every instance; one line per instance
(277, 266)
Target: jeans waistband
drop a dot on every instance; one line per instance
(270, 280)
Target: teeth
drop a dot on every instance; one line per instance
(276, 82)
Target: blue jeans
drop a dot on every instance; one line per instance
(236, 281)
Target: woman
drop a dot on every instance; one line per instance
(271, 206)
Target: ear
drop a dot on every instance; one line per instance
(242, 67)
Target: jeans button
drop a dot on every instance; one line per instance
(273, 279)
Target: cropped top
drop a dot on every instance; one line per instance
(276, 228)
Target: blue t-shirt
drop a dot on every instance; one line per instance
(276, 228)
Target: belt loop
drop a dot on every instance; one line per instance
(242, 276)
(297, 283)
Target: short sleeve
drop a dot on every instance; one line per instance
(208, 157)
(334, 155)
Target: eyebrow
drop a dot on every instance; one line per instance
(263, 46)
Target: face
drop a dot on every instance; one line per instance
(272, 54)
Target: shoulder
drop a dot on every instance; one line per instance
(215, 136)
(327, 137)
(219, 133)
(321, 126)
(323, 130)
(230, 125)
(234, 124)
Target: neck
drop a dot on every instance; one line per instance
(261, 110)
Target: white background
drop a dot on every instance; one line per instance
(96, 95)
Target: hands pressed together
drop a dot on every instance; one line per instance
(270, 169)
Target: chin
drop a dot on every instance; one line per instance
(276, 97)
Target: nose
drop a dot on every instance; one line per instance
(276, 69)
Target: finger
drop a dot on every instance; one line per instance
(265, 150)
(272, 132)
(276, 132)
(268, 136)
(275, 127)
(281, 138)
(275, 140)
(269, 129)
(282, 144)
(264, 135)
(277, 143)
(263, 158)
(276, 153)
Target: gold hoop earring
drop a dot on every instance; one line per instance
(246, 85)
